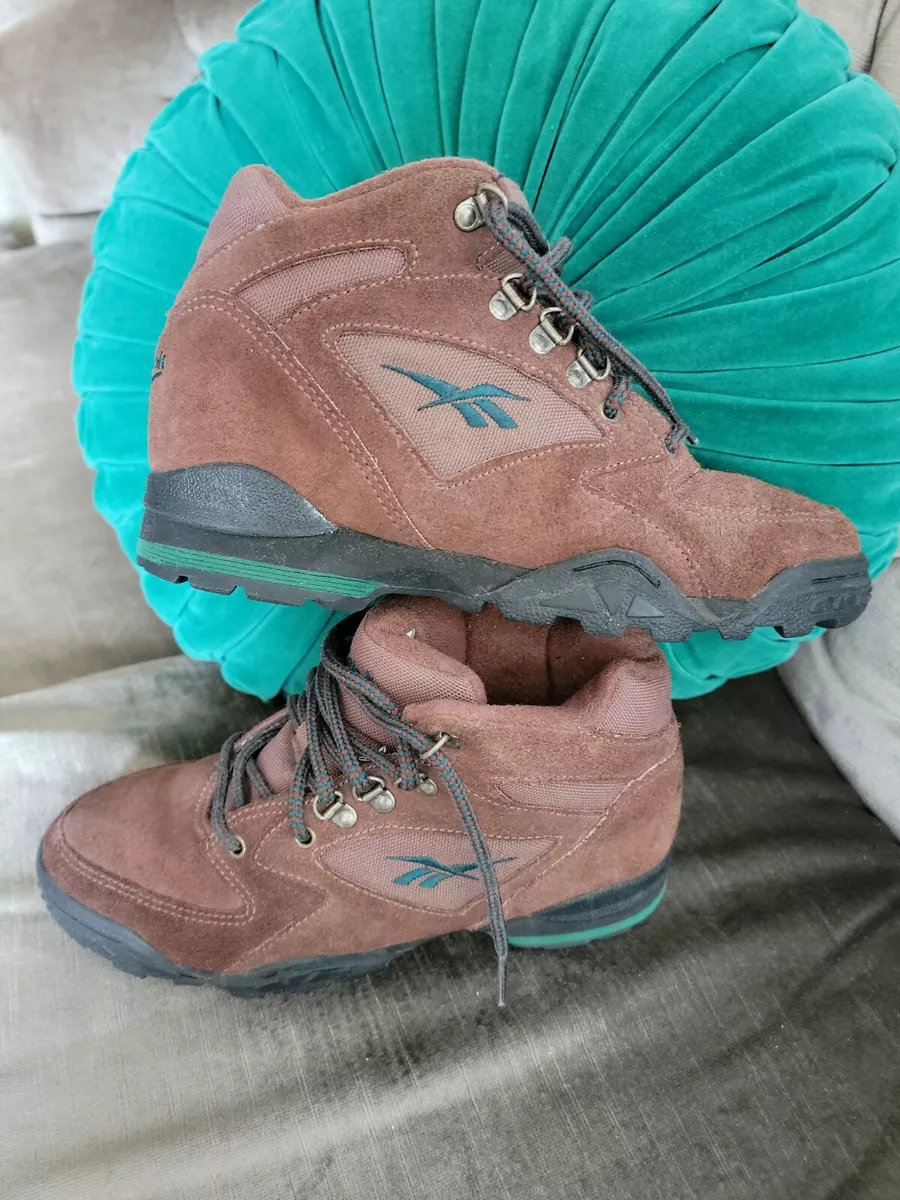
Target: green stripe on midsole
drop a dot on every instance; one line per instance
(248, 568)
(577, 937)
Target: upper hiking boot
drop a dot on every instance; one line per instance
(392, 390)
(454, 772)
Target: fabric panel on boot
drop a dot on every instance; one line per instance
(249, 201)
(638, 707)
(426, 868)
(566, 795)
(459, 408)
(276, 295)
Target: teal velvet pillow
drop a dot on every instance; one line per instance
(729, 186)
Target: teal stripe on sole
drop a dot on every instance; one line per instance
(248, 568)
(579, 937)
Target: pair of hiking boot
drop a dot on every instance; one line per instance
(390, 395)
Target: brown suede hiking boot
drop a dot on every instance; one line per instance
(392, 390)
(538, 780)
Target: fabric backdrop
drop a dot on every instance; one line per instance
(727, 182)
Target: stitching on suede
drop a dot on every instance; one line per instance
(674, 542)
(467, 474)
(255, 812)
(249, 954)
(145, 899)
(787, 514)
(230, 309)
(305, 306)
(303, 256)
(374, 474)
(562, 448)
(335, 198)
(228, 874)
(625, 462)
(351, 289)
(200, 803)
(491, 252)
(394, 178)
(279, 827)
(569, 810)
(595, 829)
(243, 236)
(210, 843)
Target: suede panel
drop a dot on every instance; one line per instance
(234, 390)
(251, 401)
(134, 827)
(404, 207)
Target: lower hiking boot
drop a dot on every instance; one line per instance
(453, 772)
(392, 390)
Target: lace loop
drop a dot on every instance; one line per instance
(334, 751)
(517, 231)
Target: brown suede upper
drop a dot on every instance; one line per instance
(308, 392)
(569, 753)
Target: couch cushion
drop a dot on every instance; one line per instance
(848, 687)
(886, 53)
(204, 23)
(743, 1045)
(70, 604)
(79, 82)
(871, 28)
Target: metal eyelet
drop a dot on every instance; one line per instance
(582, 371)
(440, 741)
(343, 815)
(380, 796)
(330, 809)
(310, 840)
(611, 414)
(546, 336)
(469, 213)
(509, 300)
(238, 847)
(466, 215)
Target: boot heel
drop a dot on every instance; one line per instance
(225, 525)
(600, 914)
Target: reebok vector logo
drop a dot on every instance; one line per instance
(476, 405)
(428, 872)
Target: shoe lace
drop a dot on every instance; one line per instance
(515, 228)
(335, 750)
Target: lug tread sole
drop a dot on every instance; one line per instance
(607, 592)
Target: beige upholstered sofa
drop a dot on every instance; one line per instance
(745, 1047)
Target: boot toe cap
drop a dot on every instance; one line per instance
(754, 530)
(141, 841)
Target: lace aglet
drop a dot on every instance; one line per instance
(501, 981)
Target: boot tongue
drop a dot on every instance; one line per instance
(414, 648)
(277, 760)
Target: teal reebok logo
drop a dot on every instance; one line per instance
(428, 872)
(474, 404)
(158, 367)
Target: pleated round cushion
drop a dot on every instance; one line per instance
(729, 186)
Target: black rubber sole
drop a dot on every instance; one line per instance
(602, 914)
(224, 526)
